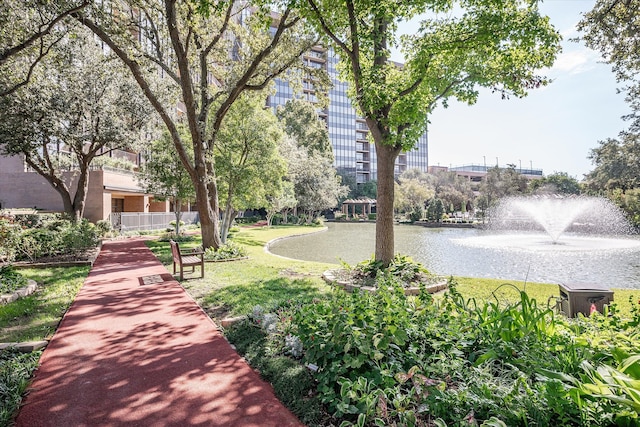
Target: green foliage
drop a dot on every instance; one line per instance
(247, 219)
(163, 173)
(387, 359)
(435, 210)
(503, 182)
(292, 383)
(556, 183)
(227, 251)
(611, 28)
(316, 184)
(301, 122)
(616, 164)
(9, 238)
(48, 237)
(402, 268)
(249, 165)
(81, 98)
(10, 279)
(104, 227)
(171, 235)
(15, 371)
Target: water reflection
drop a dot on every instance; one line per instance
(449, 252)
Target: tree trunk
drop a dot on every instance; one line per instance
(80, 198)
(178, 213)
(227, 216)
(386, 156)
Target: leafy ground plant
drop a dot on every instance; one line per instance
(406, 271)
(15, 372)
(10, 279)
(389, 359)
(225, 252)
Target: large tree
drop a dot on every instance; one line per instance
(617, 164)
(248, 163)
(459, 47)
(80, 104)
(500, 183)
(556, 183)
(212, 52)
(316, 184)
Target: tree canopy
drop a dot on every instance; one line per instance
(300, 121)
(29, 29)
(556, 183)
(80, 104)
(617, 164)
(459, 47)
(249, 165)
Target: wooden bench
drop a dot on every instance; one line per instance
(186, 259)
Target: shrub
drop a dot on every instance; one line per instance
(247, 219)
(407, 271)
(228, 251)
(104, 227)
(171, 235)
(77, 237)
(415, 215)
(10, 279)
(372, 216)
(388, 359)
(10, 233)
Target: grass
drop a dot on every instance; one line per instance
(234, 288)
(35, 317)
(492, 290)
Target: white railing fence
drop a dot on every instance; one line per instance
(138, 221)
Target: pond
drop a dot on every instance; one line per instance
(614, 263)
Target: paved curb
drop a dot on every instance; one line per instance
(19, 293)
(24, 347)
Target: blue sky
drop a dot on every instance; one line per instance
(551, 129)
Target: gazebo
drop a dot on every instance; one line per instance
(366, 204)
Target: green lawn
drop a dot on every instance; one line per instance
(234, 288)
(36, 317)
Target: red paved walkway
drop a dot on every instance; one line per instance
(135, 354)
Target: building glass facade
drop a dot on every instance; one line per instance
(353, 153)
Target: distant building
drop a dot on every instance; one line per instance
(111, 190)
(354, 154)
(476, 173)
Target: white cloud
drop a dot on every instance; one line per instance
(576, 61)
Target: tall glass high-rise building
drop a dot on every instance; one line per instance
(354, 154)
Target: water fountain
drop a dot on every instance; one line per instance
(557, 223)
